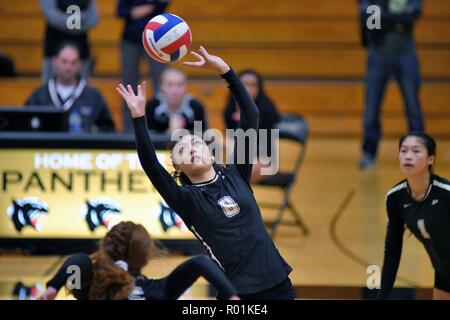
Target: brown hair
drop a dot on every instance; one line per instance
(126, 241)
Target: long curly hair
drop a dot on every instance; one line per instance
(126, 241)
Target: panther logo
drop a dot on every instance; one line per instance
(170, 218)
(28, 211)
(101, 212)
(24, 292)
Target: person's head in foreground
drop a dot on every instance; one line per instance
(124, 251)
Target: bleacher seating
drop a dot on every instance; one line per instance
(310, 50)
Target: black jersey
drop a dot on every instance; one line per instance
(167, 288)
(428, 220)
(223, 213)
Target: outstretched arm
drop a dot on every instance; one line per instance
(159, 177)
(79, 262)
(243, 153)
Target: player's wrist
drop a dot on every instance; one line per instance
(137, 113)
(224, 69)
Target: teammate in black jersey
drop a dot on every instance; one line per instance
(421, 202)
(114, 272)
(217, 203)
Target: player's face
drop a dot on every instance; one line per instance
(191, 155)
(67, 64)
(413, 156)
(250, 82)
(174, 87)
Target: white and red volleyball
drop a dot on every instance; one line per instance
(167, 38)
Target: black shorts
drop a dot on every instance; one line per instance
(442, 281)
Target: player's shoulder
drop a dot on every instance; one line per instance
(441, 183)
(81, 260)
(396, 190)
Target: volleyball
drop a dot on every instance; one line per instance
(167, 38)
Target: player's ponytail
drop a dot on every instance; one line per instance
(110, 281)
(124, 251)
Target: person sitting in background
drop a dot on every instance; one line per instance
(58, 30)
(268, 115)
(69, 92)
(173, 108)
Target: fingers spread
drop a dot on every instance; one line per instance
(198, 56)
(142, 89)
(130, 90)
(199, 63)
(193, 64)
(204, 52)
(120, 88)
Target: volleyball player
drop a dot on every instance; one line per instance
(421, 202)
(217, 203)
(114, 271)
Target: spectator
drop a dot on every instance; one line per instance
(58, 31)
(68, 91)
(173, 108)
(391, 52)
(268, 115)
(136, 14)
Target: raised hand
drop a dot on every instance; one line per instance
(136, 103)
(207, 61)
